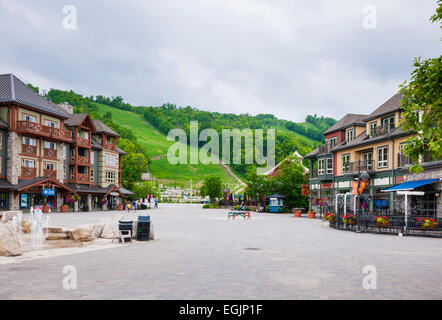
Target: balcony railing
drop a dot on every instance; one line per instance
(379, 131)
(28, 172)
(361, 165)
(80, 160)
(28, 149)
(42, 130)
(403, 160)
(50, 173)
(83, 142)
(50, 153)
(109, 146)
(81, 177)
(322, 149)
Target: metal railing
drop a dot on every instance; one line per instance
(361, 165)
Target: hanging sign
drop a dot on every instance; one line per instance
(114, 194)
(48, 192)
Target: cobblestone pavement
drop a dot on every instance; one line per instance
(199, 254)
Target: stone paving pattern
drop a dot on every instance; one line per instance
(199, 254)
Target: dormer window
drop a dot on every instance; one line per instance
(373, 126)
(349, 135)
(332, 142)
(388, 124)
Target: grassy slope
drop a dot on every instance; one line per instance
(156, 146)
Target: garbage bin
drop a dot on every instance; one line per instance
(125, 226)
(143, 228)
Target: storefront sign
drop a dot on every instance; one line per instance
(49, 192)
(326, 185)
(114, 194)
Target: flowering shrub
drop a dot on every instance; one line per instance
(381, 221)
(349, 219)
(426, 223)
(330, 217)
(320, 201)
(103, 201)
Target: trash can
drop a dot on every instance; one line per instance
(125, 226)
(143, 228)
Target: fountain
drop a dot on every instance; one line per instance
(38, 224)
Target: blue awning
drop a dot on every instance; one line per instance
(410, 185)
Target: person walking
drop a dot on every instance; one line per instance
(156, 203)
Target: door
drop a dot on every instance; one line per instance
(368, 160)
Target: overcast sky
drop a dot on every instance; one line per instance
(285, 57)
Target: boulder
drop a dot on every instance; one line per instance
(87, 232)
(108, 230)
(26, 226)
(9, 245)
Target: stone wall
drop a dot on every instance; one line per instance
(12, 164)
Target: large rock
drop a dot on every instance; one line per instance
(9, 245)
(87, 232)
(108, 230)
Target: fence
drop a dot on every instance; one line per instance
(390, 224)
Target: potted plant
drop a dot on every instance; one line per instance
(64, 208)
(120, 207)
(311, 215)
(45, 208)
(297, 213)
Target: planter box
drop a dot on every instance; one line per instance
(120, 207)
(312, 215)
(297, 213)
(64, 208)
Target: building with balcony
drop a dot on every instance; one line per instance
(370, 146)
(48, 154)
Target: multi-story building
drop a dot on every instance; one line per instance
(48, 154)
(369, 147)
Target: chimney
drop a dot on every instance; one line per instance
(67, 107)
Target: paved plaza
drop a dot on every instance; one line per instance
(199, 254)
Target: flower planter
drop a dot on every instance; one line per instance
(45, 209)
(64, 208)
(311, 215)
(297, 213)
(120, 207)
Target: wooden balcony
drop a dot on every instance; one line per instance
(28, 149)
(81, 178)
(79, 160)
(37, 129)
(50, 153)
(82, 142)
(50, 173)
(108, 146)
(28, 172)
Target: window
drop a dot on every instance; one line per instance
(50, 123)
(28, 163)
(111, 176)
(1, 141)
(92, 174)
(345, 162)
(368, 160)
(388, 124)
(382, 157)
(332, 142)
(329, 169)
(64, 172)
(27, 117)
(49, 166)
(1, 164)
(65, 152)
(29, 141)
(111, 160)
(92, 157)
(349, 135)
(50, 145)
(373, 126)
(321, 166)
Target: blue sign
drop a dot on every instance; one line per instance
(49, 192)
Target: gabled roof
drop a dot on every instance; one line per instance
(13, 89)
(348, 120)
(120, 151)
(312, 154)
(102, 128)
(391, 105)
(77, 119)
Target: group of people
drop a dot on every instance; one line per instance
(134, 205)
